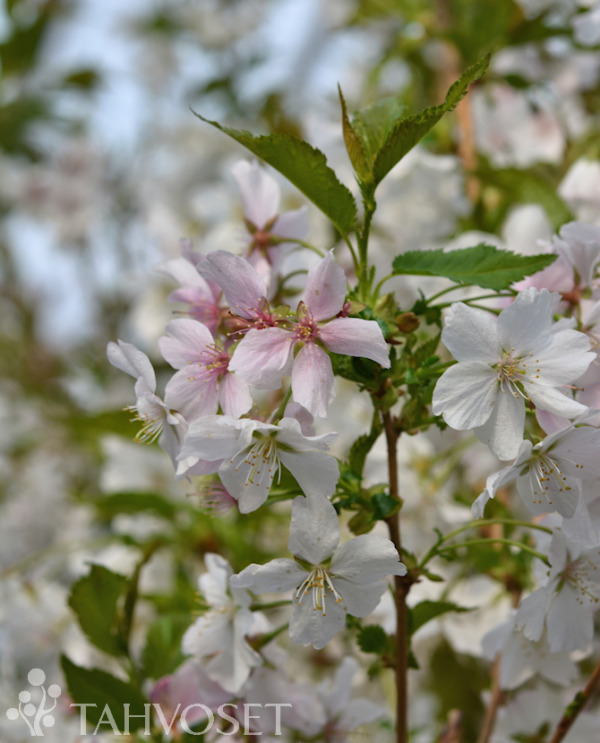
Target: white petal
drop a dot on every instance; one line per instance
(526, 323)
(276, 576)
(570, 623)
(566, 357)
(355, 337)
(531, 615)
(193, 392)
(317, 473)
(465, 395)
(470, 334)
(309, 626)
(214, 583)
(548, 398)
(360, 599)
(366, 558)
(325, 288)
(131, 360)
(314, 529)
(503, 431)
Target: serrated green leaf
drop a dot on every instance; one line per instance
(103, 691)
(425, 611)
(372, 639)
(94, 600)
(407, 132)
(363, 445)
(354, 146)
(304, 166)
(375, 122)
(483, 265)
(162, 651)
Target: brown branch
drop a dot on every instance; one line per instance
(401, 587)
(576, 706)
(496, 700)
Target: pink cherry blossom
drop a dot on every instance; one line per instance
(203, 381)
(271, 235)
(201, 296)
(265, 355)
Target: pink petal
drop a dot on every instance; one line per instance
(312, 380)
(185, 339)
(259, 191)
(193, 392)
(241, 284)
(234, 395)
(263, 356)
(292, 224)
(355, 337)
(325, 288)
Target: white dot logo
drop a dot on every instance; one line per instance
(36, 710)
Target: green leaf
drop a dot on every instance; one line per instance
(162, 651)
(374, 123)
(94, 600)
(372, 639)
(305, 167)
(354, 145)
(103, 691)
(482, 265)
(425, 611)
(363, 445)
(407, 132)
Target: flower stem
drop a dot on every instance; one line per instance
(496, 540)
(576, 706)
(401, 587)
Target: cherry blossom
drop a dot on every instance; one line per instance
(549, 475)
(522, 356)
(340, 580)
(201, 295)
(159, 423)
(565, 603)
(248, 454)
(218, 635)
(271, 234)
(203, 381)
(264, 356)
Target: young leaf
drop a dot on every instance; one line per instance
(372, 639)
(354, 145)
(425, 611)
(104, 692)
(375, 122)
(162, 652)
(305, 167)
(409, 131)
(483, 265)
(94, 600)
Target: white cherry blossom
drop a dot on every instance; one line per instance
(549, 475)
(218, 635)
(329, 580)
(522, 356)
(248, 454)
(564, 605)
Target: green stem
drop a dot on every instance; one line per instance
(278, 415)
(269, 605)
(466, 286)
(363, 245)
(492, 540)
(263, 640)
(474, 299)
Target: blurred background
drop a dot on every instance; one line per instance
(104, 167)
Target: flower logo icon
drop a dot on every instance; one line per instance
(36, 715)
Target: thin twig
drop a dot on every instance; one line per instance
(401, 587)
(576, 706)
(496, 700)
